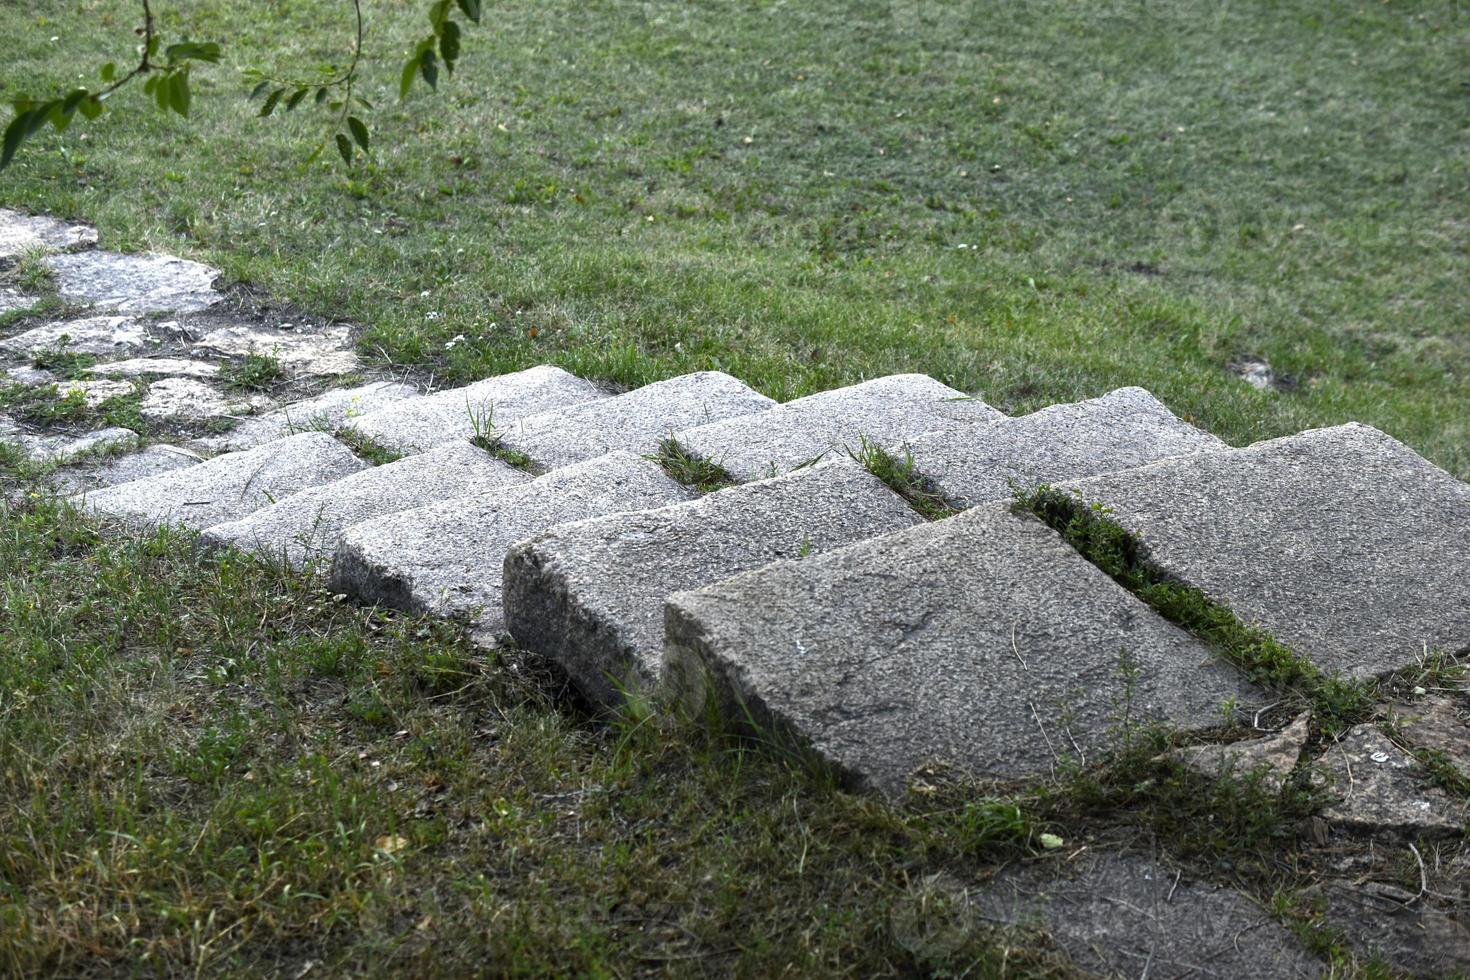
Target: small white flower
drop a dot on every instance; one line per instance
(432, 315)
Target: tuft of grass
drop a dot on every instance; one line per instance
(253, 372)
(32, 275)
(71, 365)
(704, 475)
(369, 449)
(902, 476)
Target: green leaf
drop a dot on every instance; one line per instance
(364, 103)
(449, 44)
(471, 9)
(91, 107)
(256, 92)
(437, 12)
(58, 117)
(270, 102)
(15, 135)
(296, 97)
(405, 81)
(321, 95)
(108, 72)
(179, 96)
(429, 68)
(161, 92)
(73, 99)
(359, 132)
(344, 147)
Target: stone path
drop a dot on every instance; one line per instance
(809, 599)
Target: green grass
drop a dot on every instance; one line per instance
(253, 372)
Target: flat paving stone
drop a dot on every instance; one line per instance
(463, 413)
(89, 335)
(1400, 928)
(63, 449)
(1343, 543)
(326, 412)
(134, 283)
(1376, 787)
(1119, 431)
(591, 595)
(982, 641)
(447, 558)
(22, 233)
(888, 412)
(306, 526)
(162, 367)
(1121, 915)
(229, 487)
(30, 376)
(94, 393)
(323, 353)
(149, 461)
(12, 299)
(1270, 759)
(1440, 725)
(636, 421)
(188, 400)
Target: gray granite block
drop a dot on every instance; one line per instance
(1121, 915)
(1343, 543)
(1121, 430)
(22, 233)
(312, 352)
(982, 641)
(888, 412)
(306, 526)
(142, 367)
(326, 412)
(228, 487)
(188, 400)
(1373, 786)
(447, 558)
(637, 421)
(150, 461)
(63, 449)
(89, 335)
(457, 413)
(12, 299)
(134, 283)
(591, 595)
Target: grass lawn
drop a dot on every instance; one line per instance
(211, 766)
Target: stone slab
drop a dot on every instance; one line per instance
(188, 400)
(94, 393)
(591, 595)
(1132, 916)
(12, 299)
(1119, 431)
(1401, 929)
(889, 412)
(63, 449)
(325, 353)
(162, 367)
(1270, 759)
(25, 375)
(229, 487)
(636, 422)
(326, 412)
(22, 233)
(447, 558)
(149, 461)
(134, 283)
(1376, 787)
(1441, 725)
(1343, 543)
(89, 335)
(458, 413)
(306, 526)
(982, 641)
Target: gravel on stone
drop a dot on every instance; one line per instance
(464, 413)
(888, 412)
(1343, 543)
(326, 412)
(143, 367)
(90, 335)
(228, 487)
(1376, 787)
(1119, 431)
(982, 641)
(447, 558)
(591, 595)
(306, 526)
(22, 233)
(637, 421)
(137, 284)
(299, 352)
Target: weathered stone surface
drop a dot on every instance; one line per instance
(888, 412)
(1129, 916)
(187, 400)
(150, 461)
(1343, 543)
(1122, 429)
(93, 393)
(134, 283)
(982, 640)
(591, 595)
(462, 413)
(29, 376)
(1441, 725)
(228, 487)
(64, 449)
(328, 352)
(637, 421)
(305, 527)
(326, 412)
(1377, 787)
(1399, 927)
(12, 299)
(91, 335)
(447, 558)
(142, 367)
(22, 233)
(1273, 757)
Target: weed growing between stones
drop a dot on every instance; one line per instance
(368, 449)
(254, 372)
(66, 363)
(1337, 703)
(903, 478)
(704, 475)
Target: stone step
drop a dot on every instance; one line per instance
(60, 450)
(23, 233)
(229, 487)
(447, 558)
(591, 595)
(306, 526)
(888, 412)
(982, 641)
(463, 413)
(1119, 431)
(325, 413)
(1343, 543)
(111, 471)
(636, 422)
